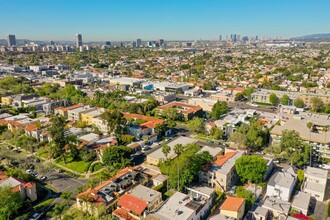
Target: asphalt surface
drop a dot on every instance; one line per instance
(64, 182)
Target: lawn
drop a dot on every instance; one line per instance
(95, 167)
(78, 166)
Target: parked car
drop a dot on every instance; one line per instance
(9, 147)
(28, 171)
(43, 178)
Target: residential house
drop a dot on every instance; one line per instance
(27, 190)
(152, 197)
(315, 182)
(301, 202)
(233, 207)
(278, 207)
(258, 213)
(130, 207)
(281, 184)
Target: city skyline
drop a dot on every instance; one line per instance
(184, 20)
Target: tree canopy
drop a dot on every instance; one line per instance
(273, 99)
(117, 155)
(299, 103)
(10, 202)
(115, 121)
(186, 166)
(219, 109)
(196, 125)
(252, 168)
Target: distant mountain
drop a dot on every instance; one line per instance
(314, 37)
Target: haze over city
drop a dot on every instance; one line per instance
(171, 20)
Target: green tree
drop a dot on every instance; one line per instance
(252, 168)
(56, 132)
(115, 121)
(184, 169)
(290, 139)
(299, 103)
(10, 202)
(116, 155)
(285, 100)
(317, 104)
(216, 133)
(219, 109)
(241, 192)
(248, 92)
(273, 99)
(126, 139)
(196, 125)
(178, 149)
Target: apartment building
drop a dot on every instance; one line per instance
(27, 190)
(262, 96)
(281, 184)
(183, 207)
(221, 174)
(104, 197)
(315, 182)
(316, 136)
(188, 111)
(233, 207)
(75, 114)
(64, 110)
(88, 117)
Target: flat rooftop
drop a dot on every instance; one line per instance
(317, 172)
(301, 201)
(175, 208)
(144, 193)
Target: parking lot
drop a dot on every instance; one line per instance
(63, 182)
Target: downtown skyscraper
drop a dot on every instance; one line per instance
(78, 40)
(11, 40)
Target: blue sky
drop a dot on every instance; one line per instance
(169, 19)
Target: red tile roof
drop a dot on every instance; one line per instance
(132, 203)
(151, 122)
(31, 127)
(232, 204)
(221, 159)
(123, 214)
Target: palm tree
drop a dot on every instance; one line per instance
(178, 149)
(325, 130)
(59, 209)
(166, 150)
(66, 196)
(310, 126)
